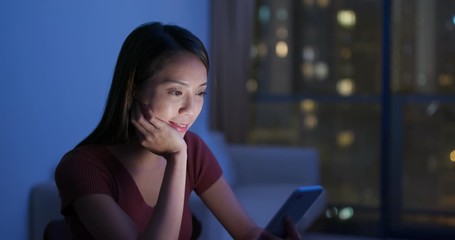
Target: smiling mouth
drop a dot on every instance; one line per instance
(179, 126)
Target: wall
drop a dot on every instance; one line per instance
(56, 62)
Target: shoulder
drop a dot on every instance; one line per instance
(82, 157)
(195, 143)
(85, 170)
(203, 168)
(192, 137)
(193, 140)
(89, 152)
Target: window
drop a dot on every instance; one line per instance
(370, 84)
(325, 92)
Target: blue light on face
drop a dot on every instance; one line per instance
(453, 19)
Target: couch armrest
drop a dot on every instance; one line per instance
(44, 207)
(272, 164)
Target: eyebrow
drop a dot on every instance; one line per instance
(181, 82)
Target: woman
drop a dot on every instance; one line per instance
(131, 178)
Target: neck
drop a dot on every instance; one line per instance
(133, 154)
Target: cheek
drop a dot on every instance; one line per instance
(200, 105)
(163, 109)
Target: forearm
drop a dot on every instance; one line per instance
(168, 212)
(221, 200)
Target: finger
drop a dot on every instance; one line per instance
(140, 112)
(141, 131)
(143, 116)
(158, 123)
(291, 229)
(137, 119)
(140, 136)
(137, 112)
(145, 110)
(146, 113)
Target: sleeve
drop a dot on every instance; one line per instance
(203, 168)
(78, 174)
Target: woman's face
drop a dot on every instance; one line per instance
(176, 93)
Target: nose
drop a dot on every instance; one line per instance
(188, 106)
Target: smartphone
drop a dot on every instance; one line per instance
(294, 207)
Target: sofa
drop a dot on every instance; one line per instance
(261, 176)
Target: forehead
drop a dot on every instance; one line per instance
(185, 67)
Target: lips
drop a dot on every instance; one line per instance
(181, 127)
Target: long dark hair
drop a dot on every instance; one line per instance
(143, 54)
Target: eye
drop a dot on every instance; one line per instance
(175, 92)
(202, 93)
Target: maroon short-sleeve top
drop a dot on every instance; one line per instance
(93, 169)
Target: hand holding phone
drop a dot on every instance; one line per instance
(293, 209)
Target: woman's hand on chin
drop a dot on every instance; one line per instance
(154, 134)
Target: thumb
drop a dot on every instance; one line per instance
(291, 229)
